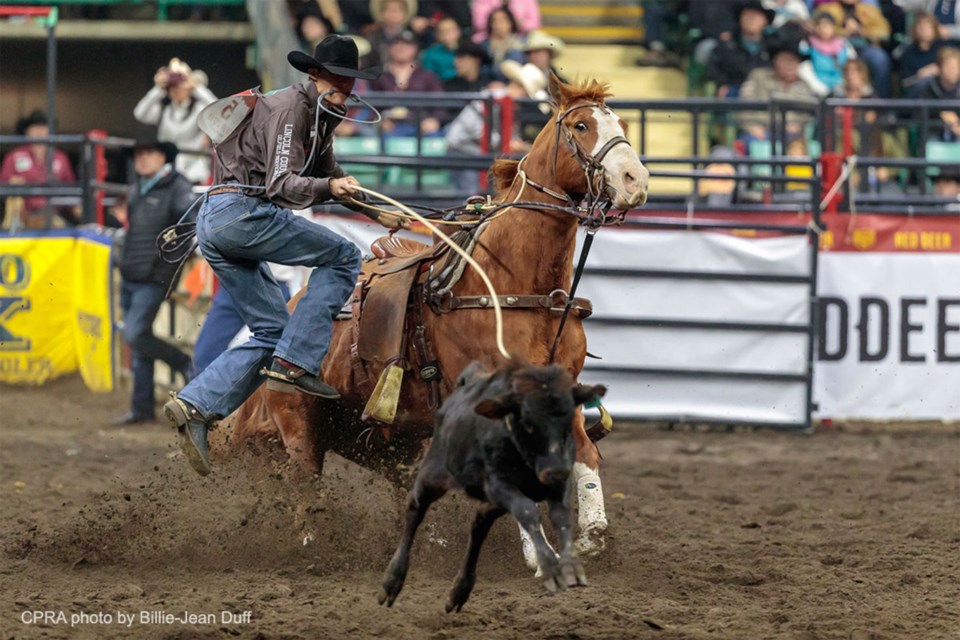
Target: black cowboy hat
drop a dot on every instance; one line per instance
(146, 141)
(787, 38)
(337, 55)
(755, 5)
(36, 117)
(469, 48)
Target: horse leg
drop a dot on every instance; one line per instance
(431, 484)
(467, 577)
(592, 516)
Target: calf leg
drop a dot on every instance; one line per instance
(524, 510)
(570, 568)
(429, 487)
(463, 585)
(592, 516)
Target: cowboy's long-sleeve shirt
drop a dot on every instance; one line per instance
(270, 148)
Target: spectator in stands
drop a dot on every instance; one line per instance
(736, 56)
(783, 81)
(178, 96)
(430, 11)
(864, 26)
(391, 18)
(918, 60)
(357, 16)
(828, 53)
(541, 50)
(471, 61)
(856, 82)
(312, 25)
(945, 86)
(947, 14)
(658, 15)
(524, 14)
(402, 73)
(27, 164)
(465, 133)
(713, 21)
(503, 43)
(438, 58)
(946, 184)
(787, 10)
(157, 199)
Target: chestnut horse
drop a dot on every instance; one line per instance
(525, 251)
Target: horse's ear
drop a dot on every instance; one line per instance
(557, 89)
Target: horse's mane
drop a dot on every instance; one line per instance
(591, 90)
(504, 171)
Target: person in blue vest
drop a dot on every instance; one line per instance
(156, 200)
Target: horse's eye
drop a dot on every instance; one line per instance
(581, 127)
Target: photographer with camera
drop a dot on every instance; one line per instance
(178, 96)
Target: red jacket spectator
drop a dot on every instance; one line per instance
(527, 13)
(28, 165)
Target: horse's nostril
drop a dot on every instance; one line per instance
(630, 182)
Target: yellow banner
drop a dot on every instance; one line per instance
(55, 308)
(93, 304)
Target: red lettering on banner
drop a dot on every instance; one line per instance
(841, 232)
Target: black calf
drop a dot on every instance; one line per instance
(505, 438)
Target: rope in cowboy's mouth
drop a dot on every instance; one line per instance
(498, 314)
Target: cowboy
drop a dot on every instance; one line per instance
(280, 158)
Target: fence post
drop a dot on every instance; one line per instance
(831, 163)
(98, 172)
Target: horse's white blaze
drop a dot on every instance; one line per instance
(619, 161)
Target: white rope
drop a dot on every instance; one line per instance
(848, 166)
(498, 314)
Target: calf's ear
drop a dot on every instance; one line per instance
(584, 394)
(497, 407)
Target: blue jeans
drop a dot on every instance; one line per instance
(878, 62)
(221, 325)
(140, 303)
(237, 234)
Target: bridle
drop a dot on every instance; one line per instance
(596, 203)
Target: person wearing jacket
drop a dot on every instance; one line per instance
(178, 96)
(157, 199)
(279, 158)
(864, 26)
(736, 56)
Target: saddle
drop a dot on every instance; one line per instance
(386, 314)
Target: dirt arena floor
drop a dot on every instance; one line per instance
(843, 534)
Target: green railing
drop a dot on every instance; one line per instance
(163, 6)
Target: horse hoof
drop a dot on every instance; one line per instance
(591, 542)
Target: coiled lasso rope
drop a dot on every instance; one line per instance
(408, 212)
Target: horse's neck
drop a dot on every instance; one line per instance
(527, 251)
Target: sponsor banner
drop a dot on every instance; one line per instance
(55, 308)
(889, 327)
(93, 304)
